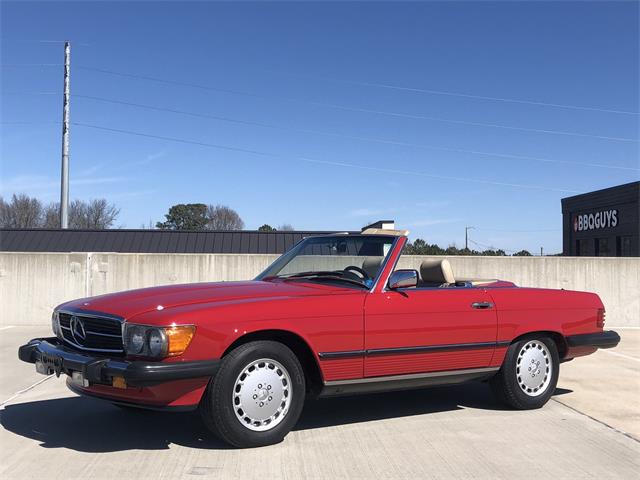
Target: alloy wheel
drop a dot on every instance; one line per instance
(262, 394)
(534, 368)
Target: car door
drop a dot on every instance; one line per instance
(416, 330)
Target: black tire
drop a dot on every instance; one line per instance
(217, 407)
(508, 385)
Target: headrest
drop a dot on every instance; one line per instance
(371, 265)
(436, 271)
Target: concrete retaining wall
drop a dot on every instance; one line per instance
(31, 284)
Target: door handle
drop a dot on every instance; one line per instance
(482, 305)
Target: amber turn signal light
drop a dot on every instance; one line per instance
(178, 338)
(119, 382)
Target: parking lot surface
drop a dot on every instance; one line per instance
(590, 429)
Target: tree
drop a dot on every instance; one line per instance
(286, 227)
(51, 216)
(222, 217)
(189, 216)
(28, 212)
(494, 253)
(22, 211)
(198, 216)
(266, 228)
(420, 247)
(93, 215)
(522, 253)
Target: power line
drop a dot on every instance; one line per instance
(51, 42)
(30, 123)
(360, 110)
(322, 162)
(517, 231)
(482, 124)
(32, 93)
(468, 95)
(58, 42)
(31, 65)
(439, 177)
(174, 139)
(490, 247)
(415, 89)
(169, 82)
(352, 137)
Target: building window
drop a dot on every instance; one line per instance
(623, 246)
(601, 247)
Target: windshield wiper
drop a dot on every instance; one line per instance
(311, 273)
(333, 276)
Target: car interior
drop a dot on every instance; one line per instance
(437, 273)
(433, 273)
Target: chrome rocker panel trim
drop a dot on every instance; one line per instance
(404, 382)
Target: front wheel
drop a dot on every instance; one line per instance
(529, 373)
(256, 397)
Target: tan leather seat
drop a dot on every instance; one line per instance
(371, 265)
(436, 272)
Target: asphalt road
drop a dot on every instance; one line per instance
(591, 429)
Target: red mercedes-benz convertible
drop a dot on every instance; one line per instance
(334, 315)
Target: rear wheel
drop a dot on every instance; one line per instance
(529, 373)
(256, 397)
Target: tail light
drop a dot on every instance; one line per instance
(600, 319)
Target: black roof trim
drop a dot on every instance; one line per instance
(152, 241)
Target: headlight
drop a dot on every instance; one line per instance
(55, 324)
(136, 340)
(157, 342)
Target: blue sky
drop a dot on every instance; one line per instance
(438, 115)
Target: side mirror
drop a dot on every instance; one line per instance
(403, 279)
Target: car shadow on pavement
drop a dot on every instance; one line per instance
(90, 425)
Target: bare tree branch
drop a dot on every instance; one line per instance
(221, 217)
(22, 212)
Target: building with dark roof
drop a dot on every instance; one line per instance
(604, 223)
(156, 241)
(148, 241)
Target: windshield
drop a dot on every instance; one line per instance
(355, 260)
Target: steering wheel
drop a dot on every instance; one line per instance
(358, 270)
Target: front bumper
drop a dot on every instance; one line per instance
(57, 358)
(608, 339)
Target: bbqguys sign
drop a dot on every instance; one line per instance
(595, 221)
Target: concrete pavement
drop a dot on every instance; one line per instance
(589, 430)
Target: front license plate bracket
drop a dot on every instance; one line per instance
(49, 364)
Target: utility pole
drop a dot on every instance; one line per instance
(466, 237)
(64, 180)
(541, 254)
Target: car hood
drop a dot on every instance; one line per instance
(134, 302)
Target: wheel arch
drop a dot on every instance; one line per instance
(557, 337)
(297, 344)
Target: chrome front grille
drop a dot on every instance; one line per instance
(92, 332)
